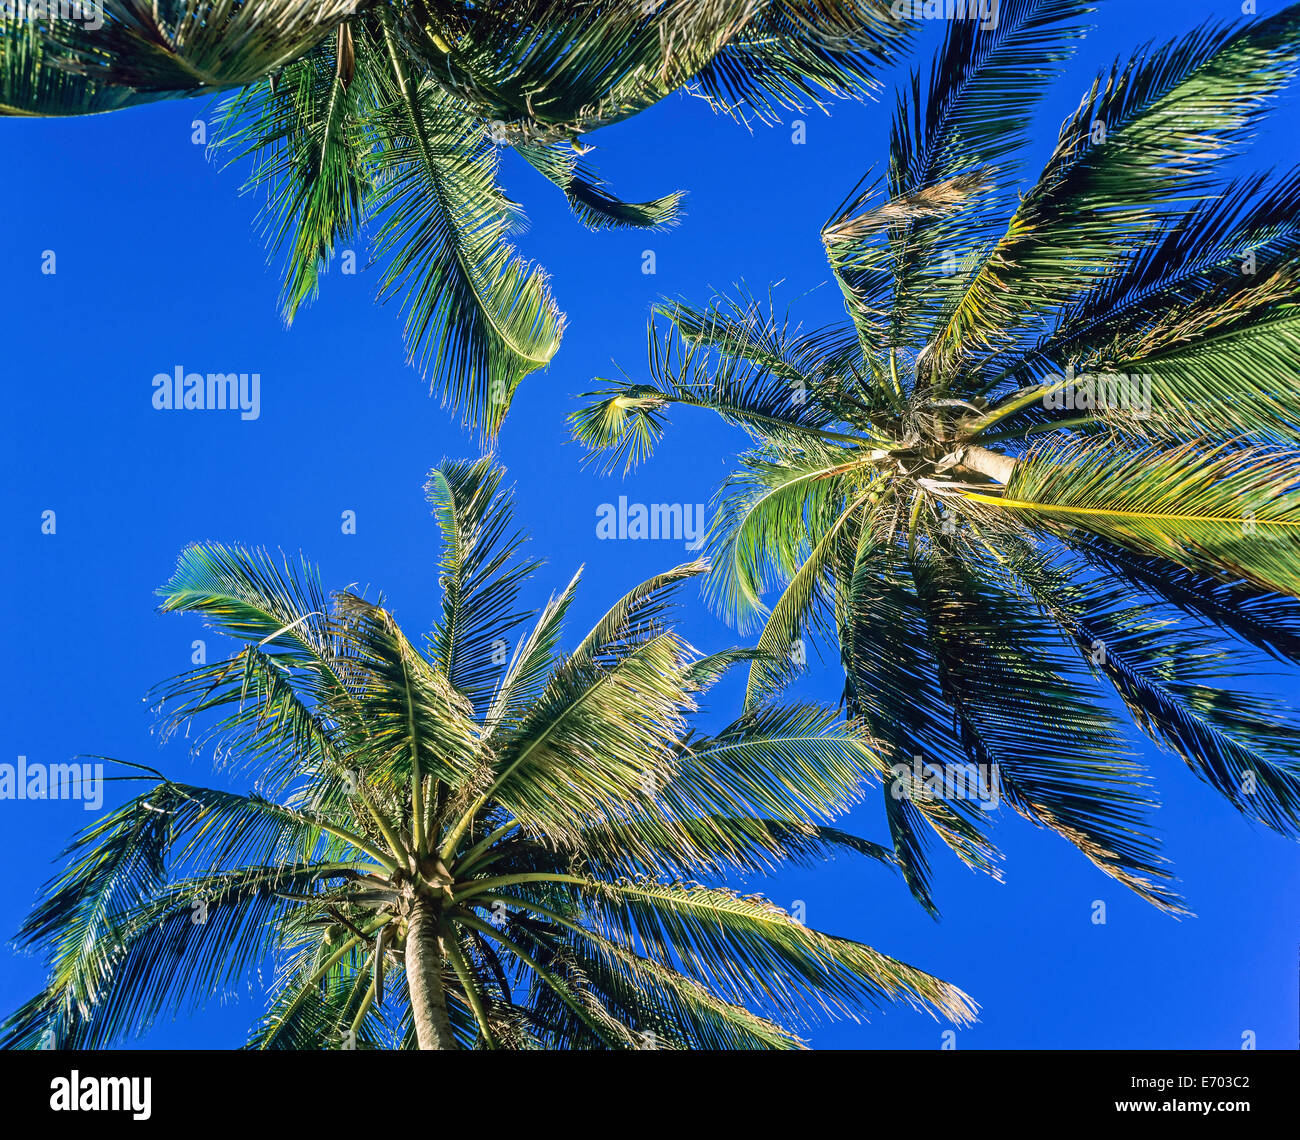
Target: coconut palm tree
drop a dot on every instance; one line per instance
(385, 119)
(1053, 453)
(517, 842)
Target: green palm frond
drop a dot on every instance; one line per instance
(189, 46)
(541, 67)
(1178, 686)
(475, 312)
(740, 326)
(1210, 271)
(772, 518)
(797, 52)
(953, 139)
(717, 843)
(893, 688)
(480, 575)
(713, 361)
(545, 69)
(34, 78)
(1147, 134)
(796, 612)
(116, 911)
(1266, 621)
(767, 956)
(417, 721)
(331, 1011)
(619, 979)
(252, 598)
(1026, 717)
(590, 198)
(529, 669)
(583, 751)
(1231, 513)
(308, 135)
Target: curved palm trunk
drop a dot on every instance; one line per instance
(424, 961)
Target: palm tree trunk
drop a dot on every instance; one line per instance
(424, 961)
(992, 464)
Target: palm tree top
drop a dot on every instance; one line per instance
(381, 123)
(519, 838)
(1046, 452)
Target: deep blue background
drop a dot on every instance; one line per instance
(158, 266)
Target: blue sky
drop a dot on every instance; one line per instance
(158, 266)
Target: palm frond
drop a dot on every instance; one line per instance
(959, 132)
(1146, 134)
(590, 198)
(308, 136)
(480, 575)
(475, 312)
(1230, 513)
(195, 46)
(35, 78)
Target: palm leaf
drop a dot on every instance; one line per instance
(1234, 514)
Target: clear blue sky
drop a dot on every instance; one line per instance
(158, 266)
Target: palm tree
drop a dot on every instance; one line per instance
(519, 842)
(386, 118)
(1051, 455)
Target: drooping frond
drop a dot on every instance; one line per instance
(477, 315)
(590, 198)
(1267, 621)
(749, 950)
(308, 134)
(35, 81)
(1178, 685)
(195, 45)
(1030, 726)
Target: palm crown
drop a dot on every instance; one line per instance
(1051, 453)
(385, 119)
(518, 842)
